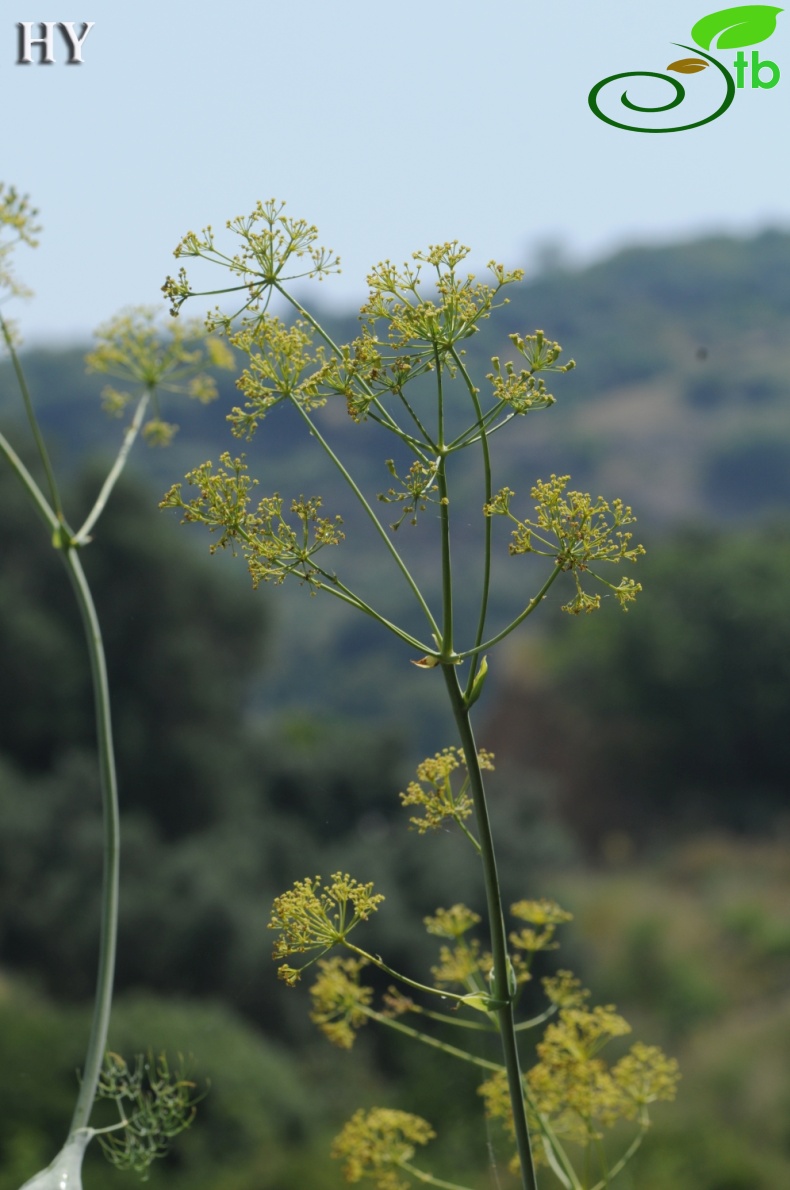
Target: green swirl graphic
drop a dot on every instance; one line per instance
(680, 95)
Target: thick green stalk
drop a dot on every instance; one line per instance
(501, 990)
(444, 517)
(97, 1042)
(447, 577)
(555, 1153)
(109, 791)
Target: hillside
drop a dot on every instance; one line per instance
(680, 404)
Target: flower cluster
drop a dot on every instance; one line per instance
(376, 1144)
(576, 531)
(461, 301)
(340, 1001)
(453, 922)
(155, 1104)
(272, 547)
(572, 1094)
(280, 366)
(433, 789)
(416, 491)
(522, 391)
(574, 1086)
(361, 373)
(18, 218)
(462, 964)
(132, 347)
(270, 242)
(546, 914)
(310, 917)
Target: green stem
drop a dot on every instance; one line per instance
(487, 544)
(428, 1178)
(556, 1156)
(534, 1021)
(481, 428)
(501, 990)
(444, 514)
(107, 779)
(42, 507)
(411, 983)
(469, 835)
(528, 610)
(426, 1039)
(417, 445)
(97, 1042)
(426, 436)
(40, 445)
(335, 587)
(446, 1019)
(626, 1157)
(83, 534)
(387, 417)
(371, 514)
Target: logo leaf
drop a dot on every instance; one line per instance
(688, 65)
(744, 25)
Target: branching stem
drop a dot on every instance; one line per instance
(371, 514)
(501, 990)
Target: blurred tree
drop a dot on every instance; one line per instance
(674, 716)
(262, 1125)
(183, 642)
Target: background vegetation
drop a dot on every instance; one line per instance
(641, 759)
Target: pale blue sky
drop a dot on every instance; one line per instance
(389, 126)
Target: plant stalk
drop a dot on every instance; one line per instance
(501, 990)
(97, 1042)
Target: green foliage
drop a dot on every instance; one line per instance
(679, 710)
(168, 623)
(666, 936)
(219, 913)
(261, 1124)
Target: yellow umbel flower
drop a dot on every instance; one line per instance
(339, 1000)
(313, 918)
(377, 1143)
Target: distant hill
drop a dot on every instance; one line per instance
(680, 404)
(681, 393)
